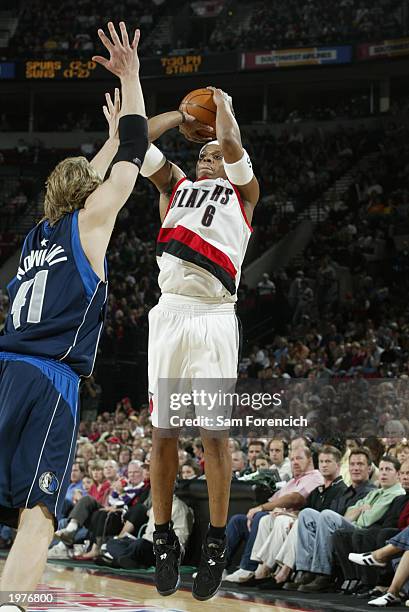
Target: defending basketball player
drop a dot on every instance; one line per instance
(193, 330)
(58, 300)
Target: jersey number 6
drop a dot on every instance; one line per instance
(208, 215)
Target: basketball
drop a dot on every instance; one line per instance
(199, 103)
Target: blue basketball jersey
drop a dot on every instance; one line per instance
(57, 301)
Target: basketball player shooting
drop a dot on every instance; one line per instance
(58, 299)
(193, 330)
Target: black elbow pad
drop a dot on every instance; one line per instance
(133, 139)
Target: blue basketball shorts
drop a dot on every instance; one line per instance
(39, 419)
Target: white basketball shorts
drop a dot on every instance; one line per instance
(190, 342)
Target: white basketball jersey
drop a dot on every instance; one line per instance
(203, 240)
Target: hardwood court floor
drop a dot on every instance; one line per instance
(79, 589)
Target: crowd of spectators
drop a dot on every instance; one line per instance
(49, 30)
(345, 107)
(315, 532)
(328, 503)
(16, 191)
(275, 25)
(72, 121)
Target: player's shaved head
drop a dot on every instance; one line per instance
(68, 187)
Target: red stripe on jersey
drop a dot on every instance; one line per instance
(240, 199)
(195, 242)
(180, 181)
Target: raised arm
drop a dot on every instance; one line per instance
(160, 124)
(161, 172)
(97, 218)
(106, 154)
(229, 138)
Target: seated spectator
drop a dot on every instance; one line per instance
(277, 449)
(86, 452)
(102, 521)
(138, 454)
(379, 558)
(351, 443)
(190, 470)
(124, 458)
(100, 474)
(291, 497)
(234, 445)
(133, 553)
(239, 463)
(359, 467)
(362, 579)
(135, 485)
(77, 475)
(97, 498)
(263, 462)
(315, 547)
(255, 448)
(75, 489)
(101, 450)
(136, 514)
(402, 452)
(275, 528)
(198, 452)
(377, 449)
(87, 483)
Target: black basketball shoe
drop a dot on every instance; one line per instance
(211, 567)
(167, 553)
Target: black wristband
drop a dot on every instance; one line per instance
(133, 139)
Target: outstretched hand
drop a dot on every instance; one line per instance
(112, 111)
(195, 131)
(123, 57)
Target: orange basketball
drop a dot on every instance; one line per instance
(199, 103)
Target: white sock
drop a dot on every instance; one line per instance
(72, 525)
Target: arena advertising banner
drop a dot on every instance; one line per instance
(7, 70)
(384, 49)
(286, 58)
(168, 66)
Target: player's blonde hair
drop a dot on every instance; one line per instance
(68, 187)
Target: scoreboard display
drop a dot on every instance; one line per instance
(181, 64)
(83, 69)
(55, 69)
